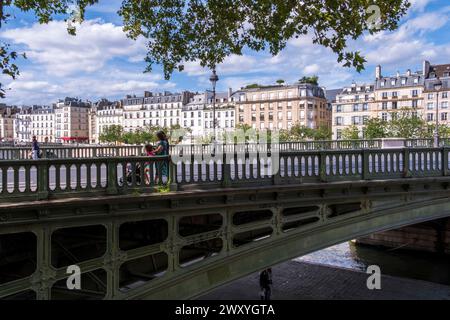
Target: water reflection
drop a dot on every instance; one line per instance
(399, 263)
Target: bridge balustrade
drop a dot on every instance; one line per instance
(51, 178)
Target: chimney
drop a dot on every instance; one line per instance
(230, 92)
(378, 72)
(426, 68)
(408, 73)
(398, 74)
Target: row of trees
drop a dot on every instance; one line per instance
(116, 134)
(403, 124)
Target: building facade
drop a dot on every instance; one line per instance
(22, 125)
(107, 113)
(282, 106)
(401, 91)
(7, 115)
(43, 123)
(72, 121)
(352, 107)
(437, 100)
(154, 109)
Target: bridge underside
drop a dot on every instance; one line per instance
(181, 245)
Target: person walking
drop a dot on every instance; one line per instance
(264, 283)
(35, 150)
(162, 149)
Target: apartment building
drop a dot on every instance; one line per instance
(71, 121)
(198, 114)
(437, 96)
(43, 123)
(154, 109)
(401, 91)
(352, 106)
(7, 123)
(107, 114)
(22, 125)
(281, 106)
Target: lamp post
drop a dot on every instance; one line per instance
(214, 78)
(437, 88)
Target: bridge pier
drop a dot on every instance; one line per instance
(431, 236)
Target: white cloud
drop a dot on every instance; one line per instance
(90, 50)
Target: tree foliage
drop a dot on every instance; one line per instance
(350, 133)
(375, 128)
(312, 80)
(207, 31)
(147, 134)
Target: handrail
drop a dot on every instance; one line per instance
(53, 178)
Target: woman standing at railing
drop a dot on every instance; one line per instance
(162, 149)
(35, 150)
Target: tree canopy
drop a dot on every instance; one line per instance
(180, 31)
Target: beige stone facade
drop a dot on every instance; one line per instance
(281, 107)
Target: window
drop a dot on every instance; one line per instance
(384, 95)
(444, 95)
(384, 116)
(289, 115)
(356, 107)
(403, 81)
(444, 116)
(414, 93)
(339, 108)
(384, 106)
(444, 105)
(280, 115)
(394, 105)
(394, 94)
(339, 121)
(430, 96)
(430, 116)
(415, 103)
(338, 134)
(430, 105)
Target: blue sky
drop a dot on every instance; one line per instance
(100, 62)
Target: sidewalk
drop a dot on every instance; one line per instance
(302, 281)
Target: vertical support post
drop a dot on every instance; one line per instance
(365, 164)
(444, 162)
(172, 249)
(112, 177)
(226, 172)
(322, 166)
(172, 175)
(406, 169)
(113, 260)
(42, 177)
(43, 278)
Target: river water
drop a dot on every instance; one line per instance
(399, 263)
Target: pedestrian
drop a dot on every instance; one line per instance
(264, 283)
(35, 150)
(162, 149)
(150, 152)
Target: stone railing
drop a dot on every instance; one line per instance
(63, 152)
(70, 152)
(53, 178)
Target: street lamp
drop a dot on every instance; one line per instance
(214, 78)
(437, 88)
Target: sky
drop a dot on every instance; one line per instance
(101, 62)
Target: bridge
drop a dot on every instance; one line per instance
(218, 220)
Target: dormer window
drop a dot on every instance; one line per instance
(416, 80)
(432, 75)
(403, 81)
(382, 83)
(393, 82)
